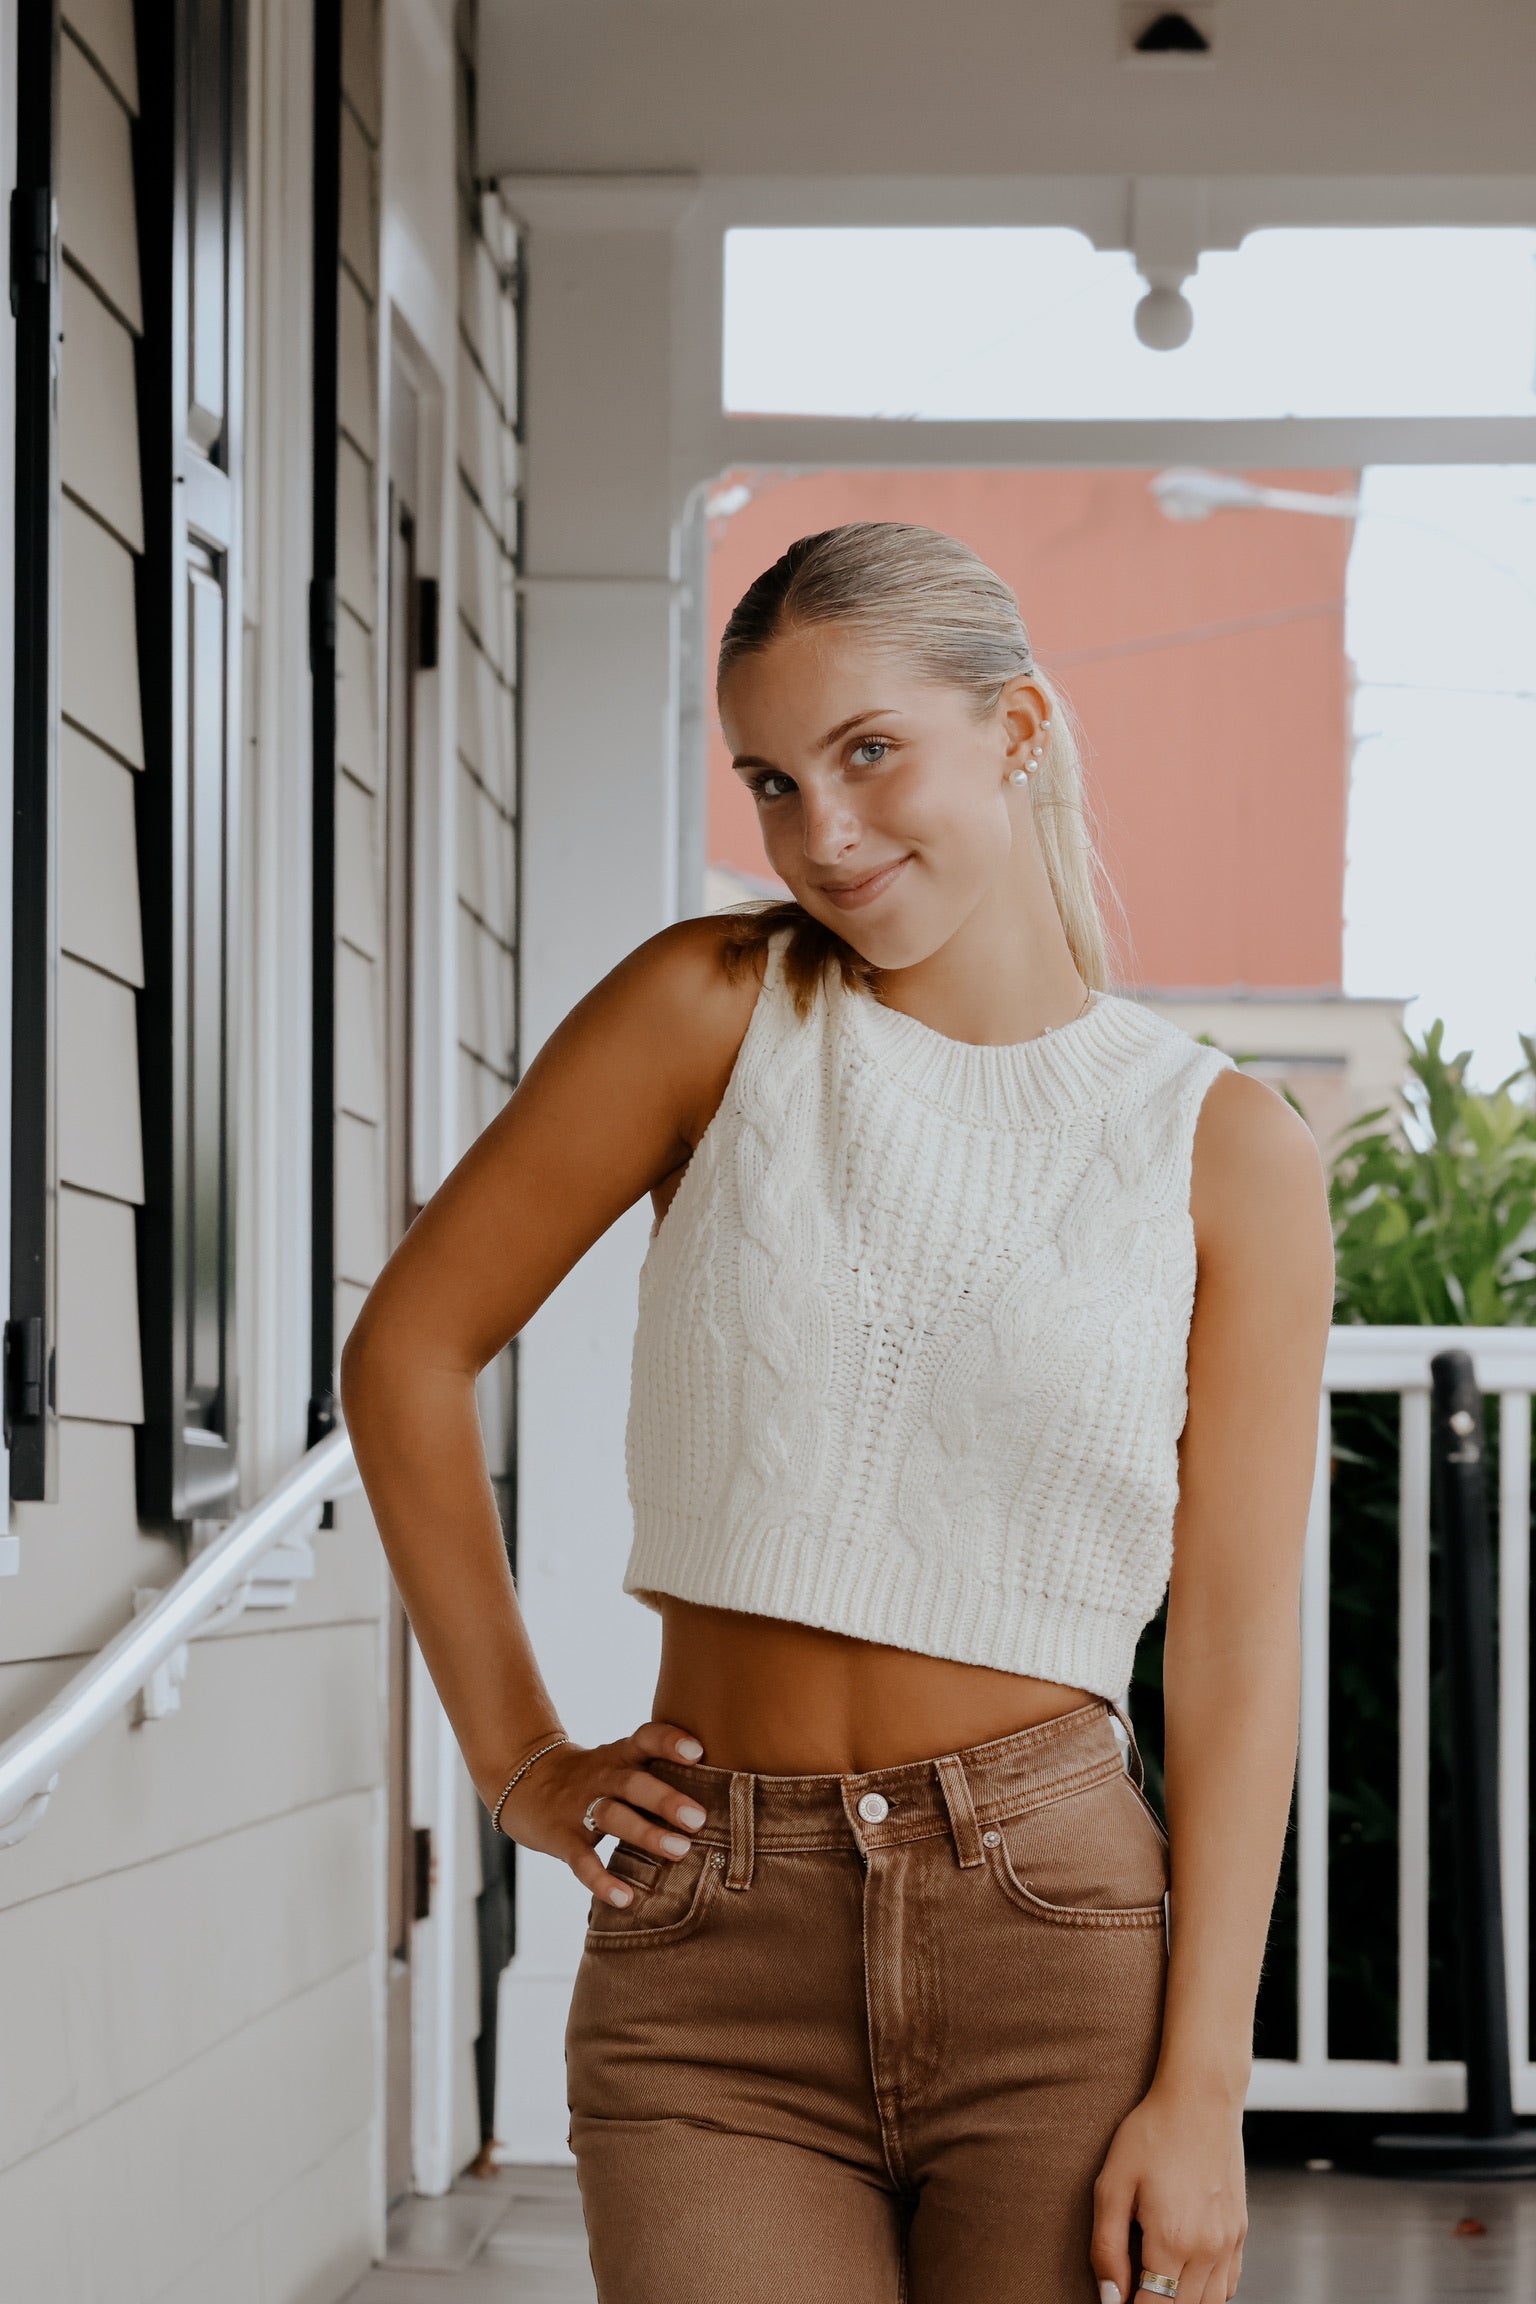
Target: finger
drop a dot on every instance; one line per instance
(653, 1797)
(1175, 2261)
(1235, 2270)
(1110, 2252)
(1223, 2280)
(593, 1873)
(640, 1831)
(663, 1740)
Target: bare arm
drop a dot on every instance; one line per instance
(1230, 1673)
(609, 1108)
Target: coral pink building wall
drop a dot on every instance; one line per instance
(1205, 661)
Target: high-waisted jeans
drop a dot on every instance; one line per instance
(872, 2037)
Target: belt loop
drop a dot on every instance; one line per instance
(955, 1785)
(743, 1788)
(1138, 1774)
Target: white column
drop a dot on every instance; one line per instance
(418, 315)
(601, 603)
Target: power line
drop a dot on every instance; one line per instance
(1191, 634)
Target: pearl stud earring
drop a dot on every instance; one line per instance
(1036, 754)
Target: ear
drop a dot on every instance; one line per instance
(1021, 708)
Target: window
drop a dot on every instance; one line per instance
(189, 180)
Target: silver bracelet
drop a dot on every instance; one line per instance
(519, 1772)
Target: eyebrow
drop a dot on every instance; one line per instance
(871, 712)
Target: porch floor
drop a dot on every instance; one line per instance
(1326, 2238)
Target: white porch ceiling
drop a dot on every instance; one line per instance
(935, 88)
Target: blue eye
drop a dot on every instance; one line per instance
(879, 745)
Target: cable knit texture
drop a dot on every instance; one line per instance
(910, 1360)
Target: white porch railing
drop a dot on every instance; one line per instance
(147, 1657)
(1397, 1360)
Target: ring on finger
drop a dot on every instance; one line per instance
(1159, 2283)
(588, 1821)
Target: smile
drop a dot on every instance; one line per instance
(849, 897)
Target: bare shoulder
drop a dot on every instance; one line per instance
(1257, 1186)
(675, 1010)
(681, 986)
(682, 973)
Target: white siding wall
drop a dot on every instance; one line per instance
(190, 1943)
(486, 869)
(361, 1217)
(85, 1550)
(487, 673)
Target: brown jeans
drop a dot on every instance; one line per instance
(872, 2037)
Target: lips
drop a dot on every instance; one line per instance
(849, 898)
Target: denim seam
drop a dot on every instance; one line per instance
(890, 2141)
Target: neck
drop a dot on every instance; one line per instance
(1007, 972)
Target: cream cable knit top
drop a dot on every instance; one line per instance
(910, 1355)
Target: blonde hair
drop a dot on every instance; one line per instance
(954, 620)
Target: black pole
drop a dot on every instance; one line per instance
(1489, 2143)
(1472, 1679)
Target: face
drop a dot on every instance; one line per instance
(884, 801)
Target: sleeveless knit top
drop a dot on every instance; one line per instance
(910, 1360)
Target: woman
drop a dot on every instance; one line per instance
(978, 1302)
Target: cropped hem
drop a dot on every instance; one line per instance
(897, 1599)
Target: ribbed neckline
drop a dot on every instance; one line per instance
(1019, 1082)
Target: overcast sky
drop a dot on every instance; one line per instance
(1440, 886)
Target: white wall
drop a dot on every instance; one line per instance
(599, 871)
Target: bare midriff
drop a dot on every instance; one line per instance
(785, 1699)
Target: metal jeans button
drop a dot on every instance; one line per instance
(874, 1807)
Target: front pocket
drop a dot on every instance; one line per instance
(1075, 1915)
(670, 1899)
(1096, 1858)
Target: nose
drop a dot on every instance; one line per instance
(829, 827)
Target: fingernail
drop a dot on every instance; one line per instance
(1108, 2292)
(689, 1748)
(621, 1896)
(692, 1817)
(675, 1844)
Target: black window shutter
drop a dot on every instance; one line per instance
(188, 157)
(30, 1429)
